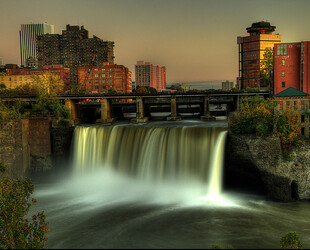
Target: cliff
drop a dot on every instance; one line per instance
(254, 162)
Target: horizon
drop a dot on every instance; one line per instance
(178, 34)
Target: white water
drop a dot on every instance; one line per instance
(165, 163)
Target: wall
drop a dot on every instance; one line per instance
(14, 147)
(33, 145)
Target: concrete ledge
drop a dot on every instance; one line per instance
(139, 120)
(109, 120)
(174, 118)
(207, 118)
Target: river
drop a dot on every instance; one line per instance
(118, 197)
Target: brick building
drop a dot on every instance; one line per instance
(292, 66)
(99, 79)
(150, 75)
(251, 53)
(297, 101)
(73, 48)
(63, 73)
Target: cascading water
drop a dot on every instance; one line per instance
(153, 154)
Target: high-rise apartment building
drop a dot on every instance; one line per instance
(99, 79)
(73, 48)
(227, 85)
(292, 66)
(27, 35)
(150, 75)
(251, 53)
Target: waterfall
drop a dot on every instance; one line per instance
(154, 154)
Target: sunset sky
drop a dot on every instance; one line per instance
(195, 39)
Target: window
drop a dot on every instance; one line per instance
(302, 131)
(110, 75)
(96, 70)
(283, 73)
(283, 84)
(282, 50)
(96, 75)
(103, 81)
(302, 118)
(103, 70)
(103, 75)
(96, 81)
(283, 62)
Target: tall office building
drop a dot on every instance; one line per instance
(73, 48)
(150, 75)
(27, 35)
(251, 53)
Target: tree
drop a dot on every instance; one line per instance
(267, 66)
(16, 231)
(291, 241)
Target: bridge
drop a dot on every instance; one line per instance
(113, 106)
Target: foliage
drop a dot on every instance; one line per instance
(290, 241)
(256, 117)
(78, 89)
(146, 90)
(266, 67)
(220, 247)
(16, 231)
(248, 90)
(112, 91)
(289, 131)
(142, 90)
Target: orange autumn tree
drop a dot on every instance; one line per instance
(289, 130)
(16, 231)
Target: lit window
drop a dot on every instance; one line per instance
(96, 70)
(96, 75)
(283, 62)
(283, 73)
(103, 75)
(103, 81)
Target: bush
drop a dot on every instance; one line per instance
(16, 231)
(290, 241)
(289, 131)
(256, 117)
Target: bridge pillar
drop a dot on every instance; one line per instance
(206, 110)
(140, 112)
(74, 110)
(174, 110)
(106, 111)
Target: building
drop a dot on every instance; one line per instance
(99, 79)
(227, 85)
(28, 34)
(63, 73)
(292, 67)
(13, 81)
(298, 101)
(73, 48)
(150, 75)
(1, 63)
(251, 53)
(32, 62)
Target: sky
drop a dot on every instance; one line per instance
(195, 39)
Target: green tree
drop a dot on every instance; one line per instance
(112, 91)
(291, 241)
(16, 231)
(267, 66)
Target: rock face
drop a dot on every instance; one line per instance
(251, 161)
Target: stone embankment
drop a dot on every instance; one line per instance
(258, 163)
(34, 145)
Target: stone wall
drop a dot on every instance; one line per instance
(14, 147)
(257, 162)
(33, 145)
